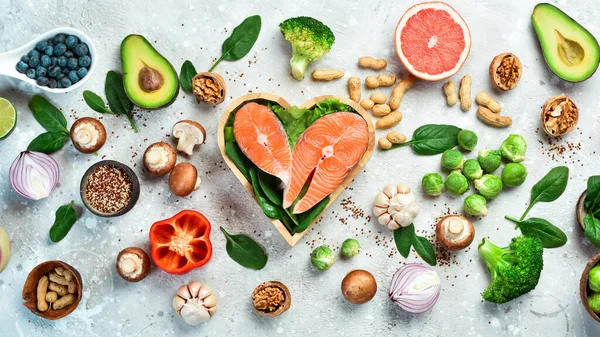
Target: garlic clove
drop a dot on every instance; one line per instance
(204, 292)
(384, 219)
(178, 303)
(184, 292)
(403, 189)
(210, 301)
(382, 200)
(380, 210)
(390, 190)
(212, 310)
(194, 288)
(193, 314)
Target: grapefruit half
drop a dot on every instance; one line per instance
(432, 40)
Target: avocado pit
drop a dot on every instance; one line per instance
(570, 52)
(150, 79)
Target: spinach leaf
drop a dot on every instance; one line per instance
(431, 139)
(96, 102)
(232, 150)
(549, 235)
(271, 210)
(592, 198)
(117, 99)
(549, 188)
(241, 41)
(592, 229)
(403, 237)
(185, 76)
(49, 117)
(229, 136)
(65, 217)
(48, 142)
(306, 218)
(269, 184)
(425, 249)
(245, 251)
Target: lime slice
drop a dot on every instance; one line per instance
(8, 117)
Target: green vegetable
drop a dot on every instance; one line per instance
(48, 142)
(269, 209)
(452, 160)
(592, 229)
(425, 249)
(269, 184)
(432, 139)
(489, 160)
(245, 251)
(49, 117)
(594, 302)
(322, 258)
(592, 205)
(514, 174)
(475, 205)
(467, 140)
(550, 188)
(303, 220)
(95, 102)
(405, 237)
(513, 148)
(549, 235)
(472, 170)
(350, 248)
(515, 270)
(489, 186)
(65, 217)
(232, 150)
(241, 41)
(118, 101)
(433, 184)
(310, 39)
(594, 278)
(188, 71)
(456, 183)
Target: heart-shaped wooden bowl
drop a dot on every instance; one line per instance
(267, 97)
(584, 290)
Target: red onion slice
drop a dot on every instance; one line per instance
(415, 288)
(34, 175)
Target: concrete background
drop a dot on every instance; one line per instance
(194, 30)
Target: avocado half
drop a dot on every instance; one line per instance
(571, 52)
(149, 79)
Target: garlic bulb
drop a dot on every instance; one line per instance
(195, 303)
(396, 206)
(415, 288)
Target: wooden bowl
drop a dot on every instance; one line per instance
(292, 240)
(584, 290)
(30, 289)
(580, 211)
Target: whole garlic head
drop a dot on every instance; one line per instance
(195, 303)
(396, 206)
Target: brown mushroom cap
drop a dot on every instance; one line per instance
(145, 264)
(101, 134)
(171, 155)
(182, 180)
(455, 232)
(359, 286)
(284, 305)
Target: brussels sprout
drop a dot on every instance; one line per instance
(594, 302)
(452, 160)
(594, 278)
(350, 248)
(513, 148)
(433, 184)
(472, 170)
(322, 258)
(456, 183)
(467, 139)
(489, 160)
(475, 204)
(514, 174)
(489, 186)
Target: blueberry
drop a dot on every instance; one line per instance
(41, 72)
(72, 63)
(73, 76)
(25, 58)
(30, 73)
(43, 81)
(50, 42)
(71, 41)
(85, 61)
(54, 60)
(65, 82)
(41, 45)
(46, 61)
(62, 61)
(59, 38)
(60, 76)
(65, 70)
(60, 49)
(49, 50)
(52, 83)
(81, 72)
(54, 71)
(58, 85)
(68, 54)
(81, 49)
(33, 53)
(22, 67)
(34, 62)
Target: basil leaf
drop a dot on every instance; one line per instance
(592, 198)
(95, 102)
(185, 76)
(270, 210)
(551, 187)
(48, 142)
(49, 117)
(269, 184)
(64, 219)
(592, 229)
(403, 237)
(425, 249)
(306, 218)
(117, 99)
(550, 235)
(434, 139)
(236, 155)
(241, 41)
(245, 251)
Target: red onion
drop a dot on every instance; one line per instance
(34, 175)
(415, 288)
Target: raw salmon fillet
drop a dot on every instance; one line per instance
(328, 150)
(261, 137)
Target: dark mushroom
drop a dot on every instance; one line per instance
(455, 232)
(159, 158)
(133, 264)
(184, 179)
(88, 135)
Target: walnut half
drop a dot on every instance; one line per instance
(209, 88)
(506, 71)
(271, 299)
(559, 116)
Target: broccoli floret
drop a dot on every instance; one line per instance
(515, 269)
(310, 39)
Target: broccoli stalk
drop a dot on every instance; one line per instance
(515, 270)
(310, 40)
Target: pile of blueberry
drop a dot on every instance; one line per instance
(58, 62)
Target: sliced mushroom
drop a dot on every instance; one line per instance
(184, 179)
(88, 135)
(159, 158)
(190, 134)
(455, 232)
(133, 264)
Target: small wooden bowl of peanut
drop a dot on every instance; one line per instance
(52, 290)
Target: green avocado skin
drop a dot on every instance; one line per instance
(550, 22)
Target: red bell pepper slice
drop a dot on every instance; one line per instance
(181, 243)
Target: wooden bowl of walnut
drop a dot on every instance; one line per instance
(52, 290)
(559, 116)
(271, 299)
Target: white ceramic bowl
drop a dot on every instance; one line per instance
(8, 60)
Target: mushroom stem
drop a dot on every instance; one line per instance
(455, 226)
(128, 265)
(154, 156)
(83, 136)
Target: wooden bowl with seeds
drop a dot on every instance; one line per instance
(559, 116)
(52, 290)
(584, 289)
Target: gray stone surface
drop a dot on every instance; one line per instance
(194, 30)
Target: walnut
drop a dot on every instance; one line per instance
(209, 88)
(506, 71)
(559, 116)
(271, 299)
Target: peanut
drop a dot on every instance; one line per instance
(490, 118)
(59, 270)
(370, 62)
(72, 287)
(389, 120)
(60, 289)
(400, 89)
(378, 98)
(485, 100)
(327, 75)
(381, 110)
(395, 137)
(451, 95)
(465, 93)
(51, 296)
(64, 302)
(68, 276)
(384, 143)
(367, 104)
(58, 279)
(354, 88)
(42, 288)
(382, 80)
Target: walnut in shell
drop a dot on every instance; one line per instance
(506, 71)
(209, 88)
(271, 299)
(559, 116)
